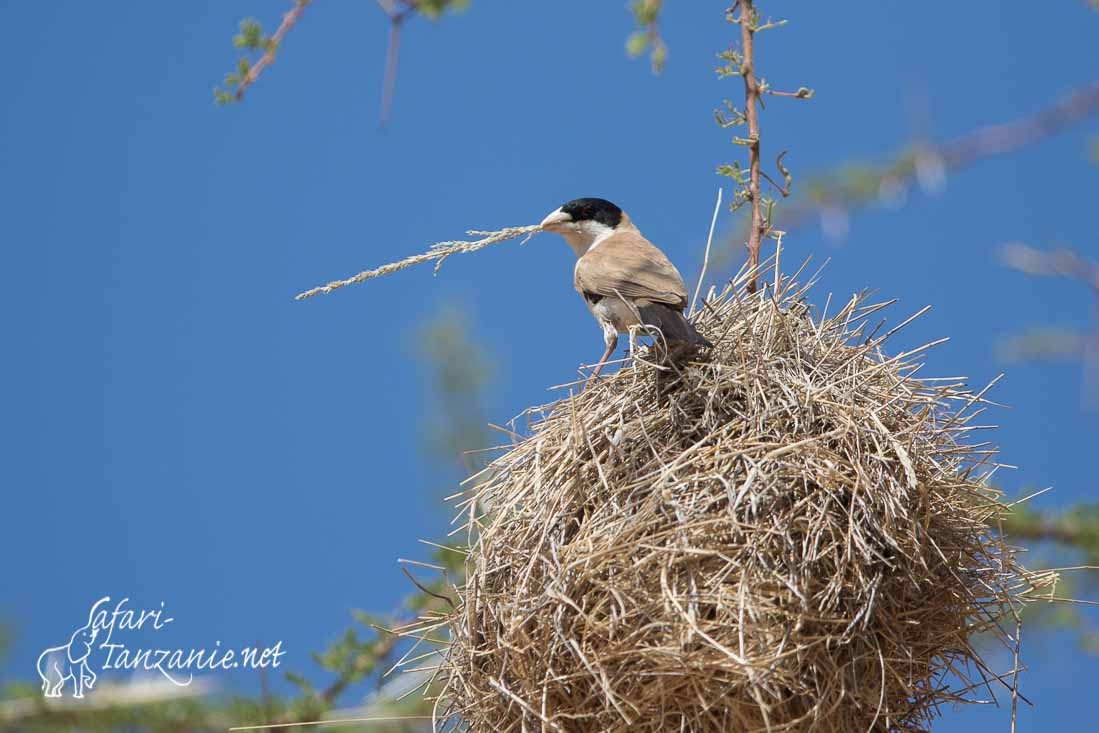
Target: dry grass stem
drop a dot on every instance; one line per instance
(790, 532)
(706, 254)
(438, 254)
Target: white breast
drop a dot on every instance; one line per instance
(613, 315)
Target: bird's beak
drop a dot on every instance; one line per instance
(556, 221)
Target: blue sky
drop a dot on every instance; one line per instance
(178, 429)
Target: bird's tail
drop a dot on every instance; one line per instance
(672, 323)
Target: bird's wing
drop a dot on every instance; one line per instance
(626, 263)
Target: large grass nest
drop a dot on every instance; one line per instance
(788, 532)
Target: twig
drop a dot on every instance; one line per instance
(751, 114)
(706, 257)
(397, 17)
(288, 20)
(425, 589)
(802, 93)
(438, 252)
(389, 82)
(781, 189)
(784, 190)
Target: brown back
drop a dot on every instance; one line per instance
(628, 264)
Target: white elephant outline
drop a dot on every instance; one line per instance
(59, 664)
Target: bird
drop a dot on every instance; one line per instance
(625, 280)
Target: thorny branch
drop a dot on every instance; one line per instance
(830, 198)
(271, 47)
(751, 114)
(742, 63)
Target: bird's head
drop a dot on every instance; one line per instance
(585, 222)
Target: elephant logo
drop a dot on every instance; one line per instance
(57, 665)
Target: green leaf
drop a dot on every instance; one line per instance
(434, 8)
(250, 36)
(637, 43)
(646, 12)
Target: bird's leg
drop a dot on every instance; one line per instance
(633, 342)
(611, 339)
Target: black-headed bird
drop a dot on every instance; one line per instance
(627, 283)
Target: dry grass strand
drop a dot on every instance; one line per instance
(437, 254)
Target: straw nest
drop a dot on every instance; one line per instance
(788, 532)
